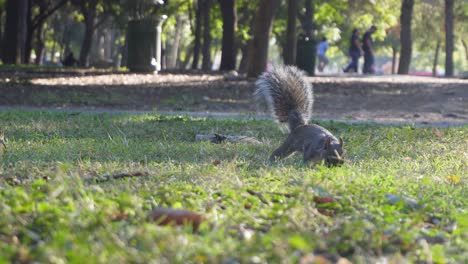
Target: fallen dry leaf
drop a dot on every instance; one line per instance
(343, 261)
(437, 133)
(314, 259)
(325, 212)
(169, 216)
(322, 200)
(119, 216)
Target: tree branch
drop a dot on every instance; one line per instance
(39, 19)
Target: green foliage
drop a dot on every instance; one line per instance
(51, 213)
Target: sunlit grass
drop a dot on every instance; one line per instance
(53, 213)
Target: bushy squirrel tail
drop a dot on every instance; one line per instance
(288, 95)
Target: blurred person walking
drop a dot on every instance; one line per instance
(368, 48)
(355, 51)
(321, 50)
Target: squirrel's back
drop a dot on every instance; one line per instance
(288, 95)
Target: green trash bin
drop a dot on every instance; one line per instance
(306, 54)
(144, 45)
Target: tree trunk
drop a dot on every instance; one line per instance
(246, 17)
(291, 38)
(15, 31)
(198, 28)
(90, 16)
(52, 52)
(394, 57)
(465, 47)
(28, 44)
(308, 23)
(88, 9)
(206, 48)
(39, 46)
(184, 64)
(1, 32)
(23, 28)
(173, 50)
(228, 50)
(245, 56)
(405, 36)
(258, 55)
(436, 59)
(449, 4)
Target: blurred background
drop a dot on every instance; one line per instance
(418, 37)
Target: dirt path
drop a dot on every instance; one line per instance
(385, 99)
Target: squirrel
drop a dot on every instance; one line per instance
(290, 98)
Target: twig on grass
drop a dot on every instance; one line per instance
(116, 176)
(260, 196)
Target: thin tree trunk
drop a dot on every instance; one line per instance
(89, 12)
(173, 50)
(394, 57)
(198, 28)
(29, 35)
(465, 47)
(184, 64)
(88, 37)
(1, 32)
(405, 36)
(245, 56)
(206, 48)
(228, 50)
(449, 6)
(246, 17)
(52, 51)
(39, 45)
(258, 55)
(23, 28)
(291, 38)
(436, 59)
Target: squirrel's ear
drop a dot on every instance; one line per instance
(327, 143)
(341, 142)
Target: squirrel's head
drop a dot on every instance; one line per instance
(333, 152)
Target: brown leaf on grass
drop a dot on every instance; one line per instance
(343, 261)
(322, 200)
(314, 259)
(437, 133)
(216, 162)
(176, 217)
(325, 212)
(119, 216)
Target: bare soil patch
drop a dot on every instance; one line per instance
(363, 98)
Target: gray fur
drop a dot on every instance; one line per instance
(288, 95)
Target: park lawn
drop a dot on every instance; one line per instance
(255, 212)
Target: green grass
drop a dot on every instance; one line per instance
(51, 214)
